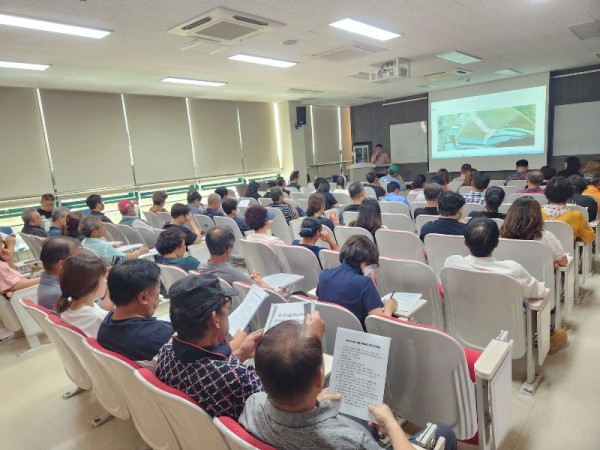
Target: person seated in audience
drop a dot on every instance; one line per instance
(280, 182)
(295, 412)
(322, 187)
(213, 206)
(450, 206)
(468, 181)
(418, 184)
(194, 200)
(559, 192)
(340, 185)
(181, 215)
(350, 284)
(46, 206)
(357, 195)
(394, 194)
(171, 246)
(493, 198)
(393, 175)
(548, 173)
(223, 192)
(270, 185)
(198, 361)
(11, 280)
(131, 328)
(289, 211)
(72, 226)
(593, 181)
(295, 179)
(524, 221)
(521, 169)
(252, 190)
(579, 185)
(96, 205)
(482, 237)
(436, 180)
(128, 212)
(93, 229)
(373, 182)
(158, 202)
(534, 180)
(230, 209)
(311, 232)
(479, 184)
(592, 166)
(32, 223)
(54, 253)
(82, 284)
(369, 216)
(431, 192)
(444, 175)
(459, 181)
(572, 167)
(316, 210)
(259, 219)
(59, 220)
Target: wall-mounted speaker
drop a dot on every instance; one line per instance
(300, 116)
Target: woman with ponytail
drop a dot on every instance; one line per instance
(311, 232)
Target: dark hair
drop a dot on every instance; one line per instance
(159, 198)
(522, 163)
(392, 186)
(341, 181)
(219, 240)
(524, 220)
(438, 180)
(92, 201)
(359, 249)
(444, 175)
(252, 189)
(256, 217)
(319, 181)
(481, 180)
(132, 276)
(548, 172)
(324, 187)
(280, 181)
(573, 163)
(465, 167)
(481, 236)
(288, 360)
(310, 226)
(371, 177)
(48, 197)
(494, 196)
(577, 183)
(449, 203)
(276, 194)
(271, 184)
(169, 240)
(72, 224)
(592, 178)
(432, 191)
(222, 191)
(535, 177)
(419, 181)
(469, 176)
(229, 205)
(179, 209)
(355, 190)
(193, 195)
(316, 201)
(57, 249)
(558, 190)
(80, 275)
(294, 175)
(379, 145)
(369, 216)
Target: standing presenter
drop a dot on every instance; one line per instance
(380, 158)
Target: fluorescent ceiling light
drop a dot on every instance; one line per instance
(365, 30)
(460, 58)
(263, 61)
(508, 72)
(26, 66)
(53, 27)
(194, 82)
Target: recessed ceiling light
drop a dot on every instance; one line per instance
(53, 27)
(460, 58)
(26, 66)
(194, 82)
(508, 72)
(263, 61)
(363, 29)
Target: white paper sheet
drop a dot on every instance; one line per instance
(130, 247)
(244, 203)
(281, 280)
(280, 312)
(239, 319)
(406, 300)
(359, 371)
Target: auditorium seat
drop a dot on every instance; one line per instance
(169, 274)
(329, 259)
(400, 245)
(440, 246)
(237, 437)
(400, 222)
(301, 261)
(342, 233)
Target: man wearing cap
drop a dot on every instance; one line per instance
(393, 175)
(127, 210)
(198, 361)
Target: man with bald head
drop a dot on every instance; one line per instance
(214, 206)
(534, 180)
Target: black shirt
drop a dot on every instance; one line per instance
(490, 214)
(432, 210)
(34, 231)
(567, 172)
(103, 218)
(329, 200)
(443, 226)
(589, 202)
(379, 191)
(46, 214)
(190, 236)
(351, 207)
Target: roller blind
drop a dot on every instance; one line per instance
(216, 137)
(160, 138)
(88, 140)
(346, 134)
(326, 134)
(259, 140)
(26, 171)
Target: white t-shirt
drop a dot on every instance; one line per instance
(86, 318)
(552, 241)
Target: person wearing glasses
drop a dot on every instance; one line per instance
(198, 361)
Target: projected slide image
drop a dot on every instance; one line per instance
(513, 126)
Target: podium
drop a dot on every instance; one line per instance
(359, 171)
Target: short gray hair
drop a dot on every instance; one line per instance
(213, 199)
(432, 191)
(59, 212)
(27, 215)
(89, 224)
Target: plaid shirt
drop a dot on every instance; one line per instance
(212, 376)
(474, 197)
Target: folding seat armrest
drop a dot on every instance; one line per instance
(492, 358)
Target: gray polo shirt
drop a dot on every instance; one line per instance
(48, 290)
(225, 271)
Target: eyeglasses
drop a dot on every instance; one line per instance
(226, 302)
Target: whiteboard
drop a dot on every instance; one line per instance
(577, 129)
(408, 142)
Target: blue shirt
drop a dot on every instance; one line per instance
(105, 250)
(48, 290)
(389, 179)
(392, 197)
(313, 248)
(348, 287)
(213, 212)
(54, 231)
(443, 226)
(241, 224)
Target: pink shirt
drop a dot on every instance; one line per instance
(8, 277)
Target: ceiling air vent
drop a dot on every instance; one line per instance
(450, 75)
(349, 51)
(224, 26)
(586, 30)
